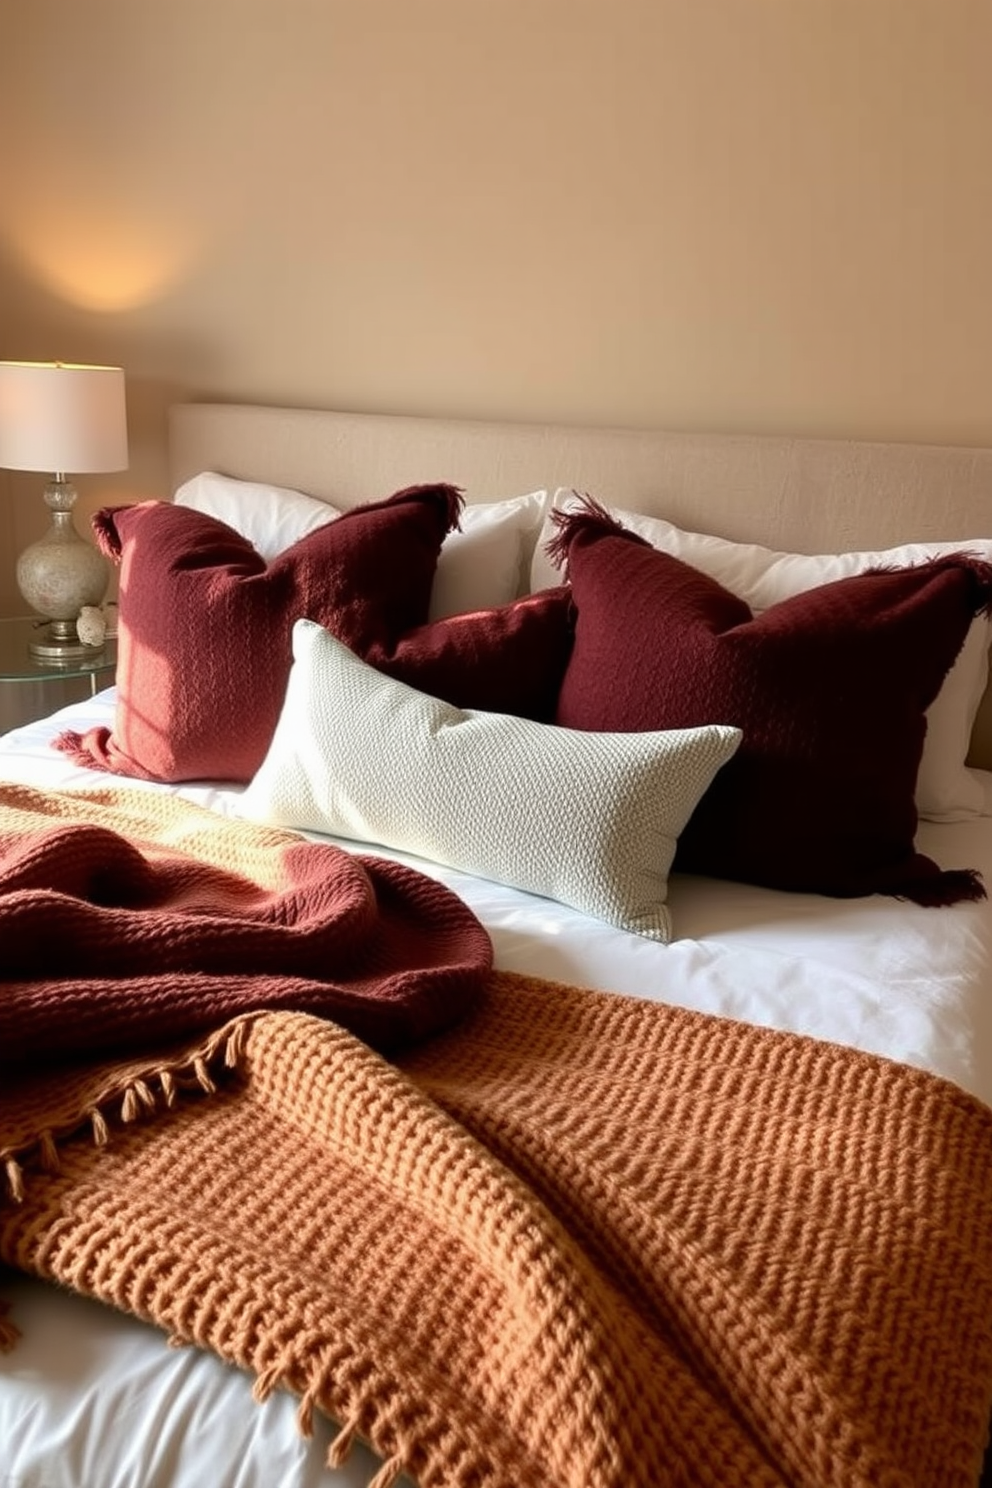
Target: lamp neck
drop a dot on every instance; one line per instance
(60, 494)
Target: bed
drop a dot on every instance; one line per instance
(707, 1194)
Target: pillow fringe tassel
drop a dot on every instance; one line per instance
(70, 742)
(450, 501)
(105, 533)
(952, 886)
(590, 516)
(980, 570)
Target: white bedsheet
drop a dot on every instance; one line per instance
(90, 1400)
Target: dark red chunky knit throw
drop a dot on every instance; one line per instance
(128, 917)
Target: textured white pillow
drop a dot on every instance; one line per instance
(946, 790)
(483, 565)
(589, 819)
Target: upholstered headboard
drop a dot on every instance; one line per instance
(800, 495)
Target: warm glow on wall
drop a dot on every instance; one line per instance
(99, 264)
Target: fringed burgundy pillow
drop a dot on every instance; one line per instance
(205, 624)
(830, 689)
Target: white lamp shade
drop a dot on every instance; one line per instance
(61, 418)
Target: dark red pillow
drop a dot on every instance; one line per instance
(830, 689)
(205, 624)
(506, 660)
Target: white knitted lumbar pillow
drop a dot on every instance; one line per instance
(589, 819)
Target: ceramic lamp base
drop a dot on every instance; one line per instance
(58, 575)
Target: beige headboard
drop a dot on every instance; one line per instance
(799, 495)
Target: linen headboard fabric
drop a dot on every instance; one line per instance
(801, 495)
(806, 495)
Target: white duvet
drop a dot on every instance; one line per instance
(92, 1400)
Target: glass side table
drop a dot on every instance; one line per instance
(33, 686)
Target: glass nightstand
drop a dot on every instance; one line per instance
(32, 686)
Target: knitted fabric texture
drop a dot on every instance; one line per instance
(127, 917)
(829, 687)
(204, 624)
(578, 1241)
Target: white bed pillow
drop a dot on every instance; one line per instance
(483, 565)
(588, 819)
(946, 790)
(486, 563)
(271, 518)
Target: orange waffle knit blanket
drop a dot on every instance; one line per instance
(577, 1240)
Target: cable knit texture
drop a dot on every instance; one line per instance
(127, 916)
(577, 1241)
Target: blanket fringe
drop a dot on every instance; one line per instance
(129, 1101)
(15, 1179)
(340, 1449)
(315, 1388)
(272, 1376)
(235, 1049)
(304, 1411)
(137, 1099)
(48, 1153)
(9, 1332)
(389, 1472)
(202, 1074)
(101, 1131)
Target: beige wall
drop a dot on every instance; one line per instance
(770, 215)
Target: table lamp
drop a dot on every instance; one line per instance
(57, 417)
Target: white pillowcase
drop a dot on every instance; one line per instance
(484, 565)
(271, 518)
(588, 819)
(946, 790)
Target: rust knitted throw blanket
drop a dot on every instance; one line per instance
(128, 917)
(577, 1241)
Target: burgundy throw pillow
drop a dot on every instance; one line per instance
(830, 689)
(205, 625)
(506, 660)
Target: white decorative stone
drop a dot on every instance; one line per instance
(91, 626)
